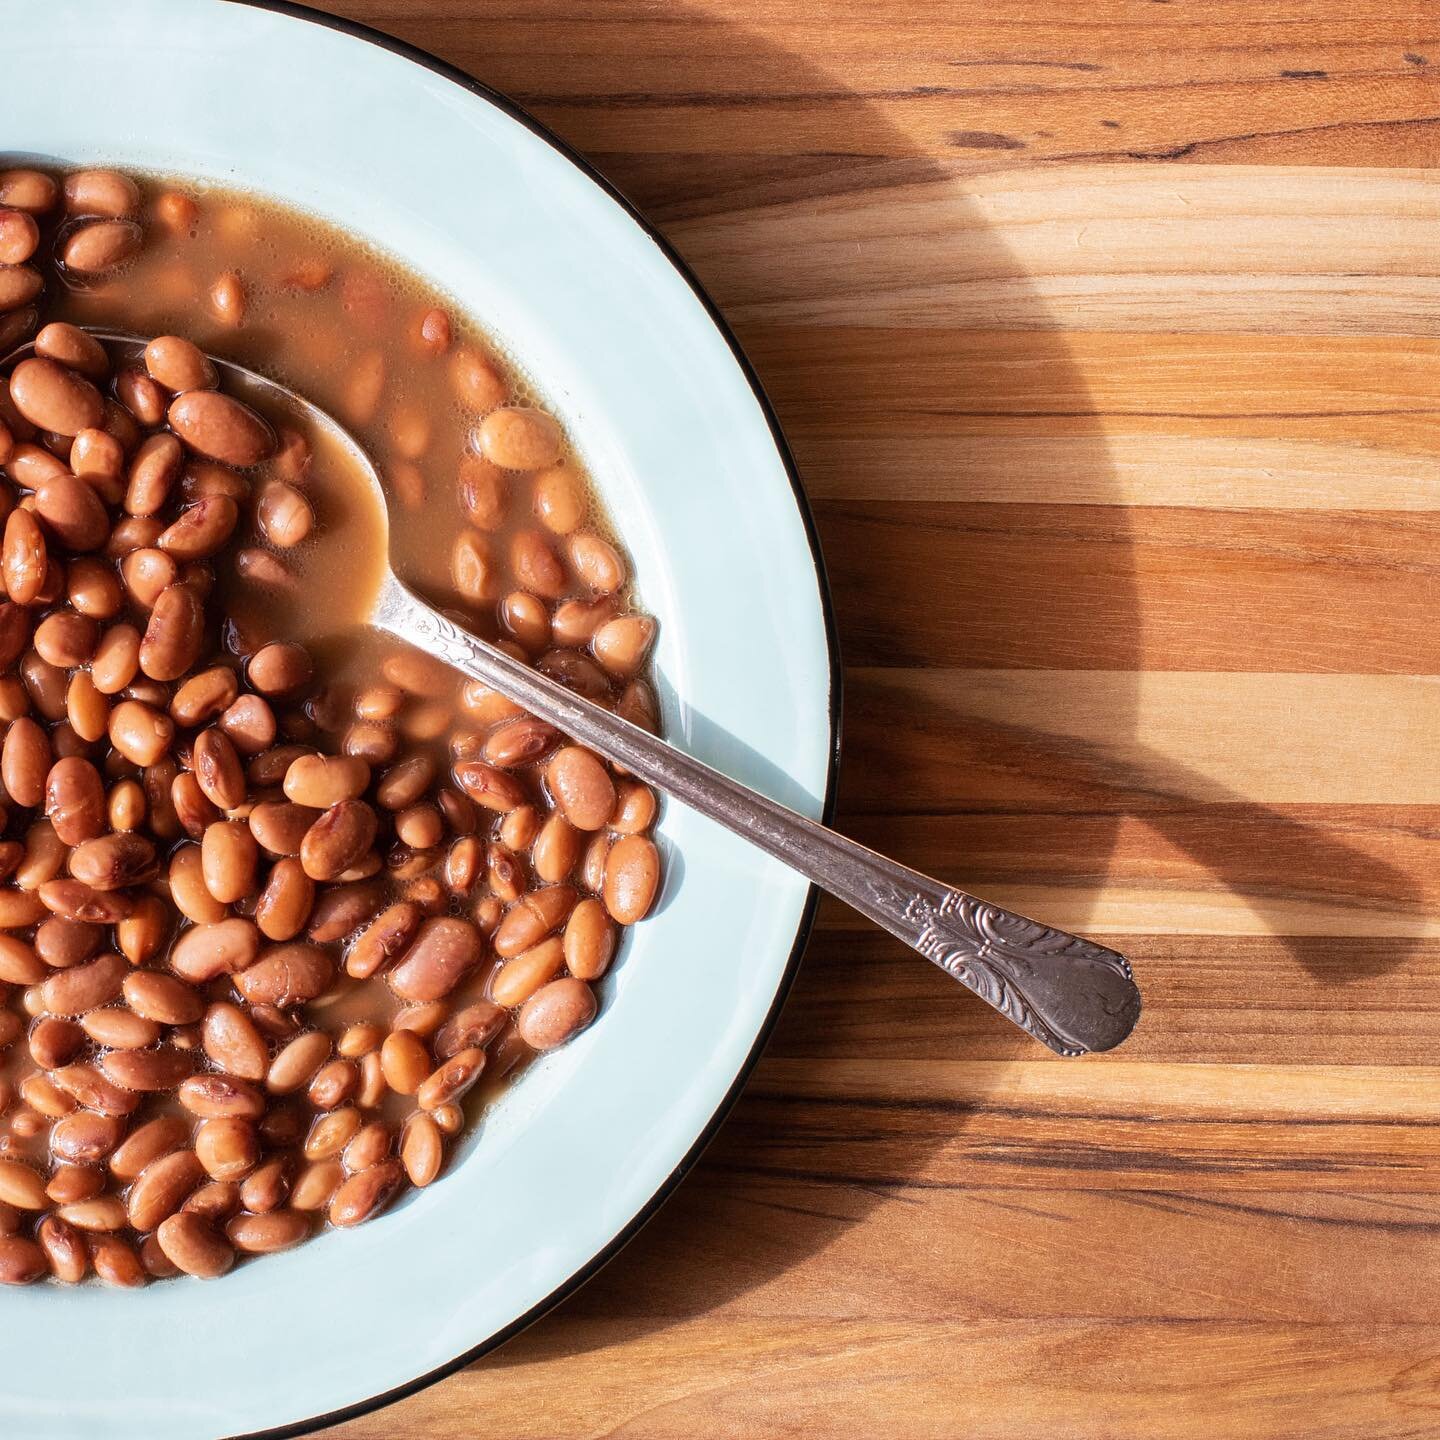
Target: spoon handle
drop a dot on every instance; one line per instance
(1071, 994)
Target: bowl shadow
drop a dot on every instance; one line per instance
(778, 1185)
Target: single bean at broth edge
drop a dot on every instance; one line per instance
(274, 916)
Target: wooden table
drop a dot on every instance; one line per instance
(1108, 340)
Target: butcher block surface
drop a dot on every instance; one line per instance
(1107, 339)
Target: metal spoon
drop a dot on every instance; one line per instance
(1072, 994)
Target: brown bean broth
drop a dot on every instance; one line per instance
(308, 336)
(320, 310)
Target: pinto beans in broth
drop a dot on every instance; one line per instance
(274, 889)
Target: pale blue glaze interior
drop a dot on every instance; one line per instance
(626, 353)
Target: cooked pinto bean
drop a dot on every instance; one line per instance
(342, 909)
(53, 1042)
(25, 761)
(125, 805)
(162, 1187)
(114, 862)
(43, 858)
(228, 1146)
(477, 382)
(94, 248)
(116, 660)
(221, 428)
(145, 571)
(490, 786)
(279, 826)
(25, 559)
(265, 1234)
(286, 975)
(249, 723)
(101, 192)
(161, 1069)
(118, 1262)
(204, 696)
(72, 511)
(286, 901)
(443, 952)
(202, 529)
(63, 943)
(86, 709)
(556, 850)
(520, 742)
(537, 566)
(218, 769)
(622, 645)
(19, 235)
(215, 1201)
(520, 977)
(30, 190)
(279, 668)
(52, 397)
(195, 810)
(227, 298)
(532, 918)
(403, 784)
(228, 857)
(162, 998)
(596, 562)
(555, 1013)
(320, 781)
(93, 588)
(212, 1095)
(209, 950)
(338, 840)
(635, 808)
(589, 940)
(72, 347)
(119, 1029)
(141, 396)
(365, 1194)
(179, 365)
(174, 635)
(19, 285)
(86, 1085)
(64, 1248)
(386, 937)
(267, 1188)
(452, 1080)
(139, 732)
(153, 473)
(22, 1261)
(582, 787)
(146, 1144)
(192, 1244)
(75, 900)
(519, 439)
(284, 515)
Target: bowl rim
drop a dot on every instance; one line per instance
(417, 55)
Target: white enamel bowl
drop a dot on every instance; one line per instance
(413, 156)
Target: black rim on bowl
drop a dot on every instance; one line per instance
(807, 917)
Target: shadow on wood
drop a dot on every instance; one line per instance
(731, 1227)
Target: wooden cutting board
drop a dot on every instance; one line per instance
(1108, 341)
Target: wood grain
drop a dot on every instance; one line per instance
(1113, 247)
(1221, 472)
(1108, 341)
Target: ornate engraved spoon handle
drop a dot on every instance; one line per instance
(1073, 995)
